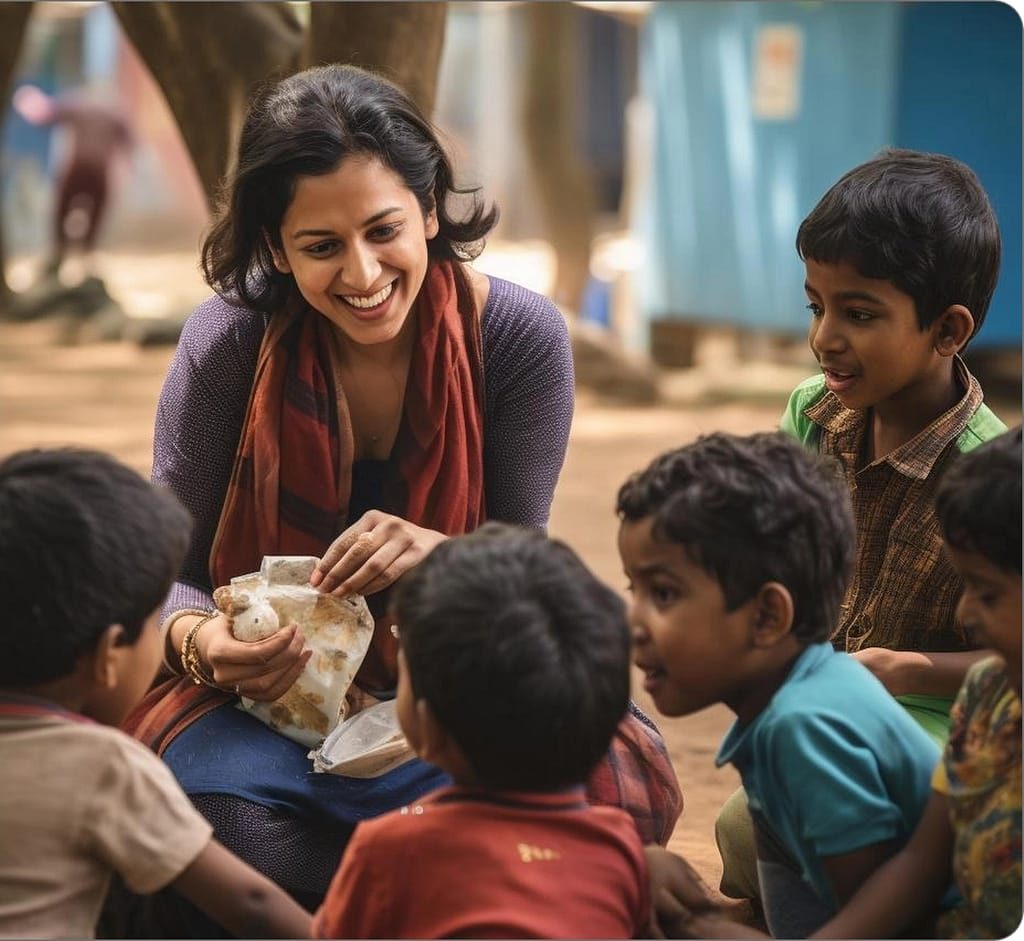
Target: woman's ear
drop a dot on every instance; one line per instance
(952, 329)
(105, 659)
(277, 254)
(773, 614)
(430, 223)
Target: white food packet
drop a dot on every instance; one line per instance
(337, 630)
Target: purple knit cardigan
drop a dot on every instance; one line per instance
(528, 406)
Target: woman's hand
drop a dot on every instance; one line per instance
(372, 553)
(263, 670)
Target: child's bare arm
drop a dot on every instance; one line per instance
(244, 901)
(908, 886)
(925, 673)
(683, 905)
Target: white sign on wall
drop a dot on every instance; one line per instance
(778, 61)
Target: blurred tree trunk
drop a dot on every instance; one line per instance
(208, 58)
(13, 22)
(403, 41)
(559, 172)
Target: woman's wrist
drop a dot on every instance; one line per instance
(191, 662)
(173, 630)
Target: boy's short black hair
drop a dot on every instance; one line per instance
(85, 542)
(978, 501)
(922, 221)
(754, 509)
(521, 652)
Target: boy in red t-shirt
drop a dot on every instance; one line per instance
(513, 676)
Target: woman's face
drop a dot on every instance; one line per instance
(355, 240)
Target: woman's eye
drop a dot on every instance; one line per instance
(860, 316)
(383, 233)
(815, 309)
(319, 249)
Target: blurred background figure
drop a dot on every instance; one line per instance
(98, 135)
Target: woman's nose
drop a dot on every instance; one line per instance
(361, 268)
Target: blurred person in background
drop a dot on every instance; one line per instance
(98, 134)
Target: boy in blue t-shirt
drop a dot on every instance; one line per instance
(738, 551)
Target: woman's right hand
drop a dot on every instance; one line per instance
(262, 670)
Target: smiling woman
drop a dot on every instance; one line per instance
(356, 392)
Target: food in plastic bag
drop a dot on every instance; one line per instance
(337, 630)
(366, 745)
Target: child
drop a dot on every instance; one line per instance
(737, 550)
(88, 550)
(513, 675)
(971, 827)
(902, 256)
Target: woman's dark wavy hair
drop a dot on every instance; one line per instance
(978, 501)
(305, 125)
(521, 652)
(85, 542)
(750, 510)
(919, 220)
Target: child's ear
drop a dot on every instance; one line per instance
(773, 614)
(433, 739)
(105, 659)
(952, 329)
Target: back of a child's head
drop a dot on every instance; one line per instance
(750, 510)
(922, 221)
(978, 501)
(85, 542)
(521, 653)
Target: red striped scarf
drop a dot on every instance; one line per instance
(289, 489)
(290, 486)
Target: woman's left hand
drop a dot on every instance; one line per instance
(372, 553)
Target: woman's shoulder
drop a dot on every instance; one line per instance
(515, 314)
(221, 327)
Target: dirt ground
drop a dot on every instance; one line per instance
(104, 394)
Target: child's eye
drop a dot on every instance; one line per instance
(860, 316)
(815, 309)
(663, 595)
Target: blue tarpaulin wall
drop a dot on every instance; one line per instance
(730, 187)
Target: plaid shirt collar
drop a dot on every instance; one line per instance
(914, 459)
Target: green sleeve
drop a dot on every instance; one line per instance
(794, 422)
(983, 425)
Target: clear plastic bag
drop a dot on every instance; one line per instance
(366, 745)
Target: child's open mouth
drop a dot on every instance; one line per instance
(838, 381)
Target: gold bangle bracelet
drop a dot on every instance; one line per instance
(190, 661)
(171, 660)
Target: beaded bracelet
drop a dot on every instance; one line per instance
(190, 661)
